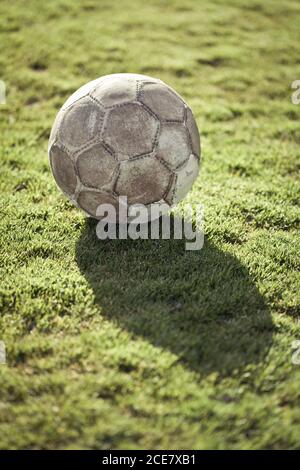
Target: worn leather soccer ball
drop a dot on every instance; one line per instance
(124, 135)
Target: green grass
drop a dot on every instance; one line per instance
(124, 344)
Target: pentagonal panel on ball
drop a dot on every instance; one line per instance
(81, 123)
(173, 144)
(63, 170)
(143, 180)
(115, 90)
(162, 101)
(130, 129)
(96, 166)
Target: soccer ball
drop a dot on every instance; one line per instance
(124, 135)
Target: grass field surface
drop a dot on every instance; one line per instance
(141, 344)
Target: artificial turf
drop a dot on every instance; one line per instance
(141, 344)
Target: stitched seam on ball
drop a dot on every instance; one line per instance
(182, 164)
(114, 189)
(197, 157)
(162, 159)
(90, 186)
(191, 144)
(163, 162)
(140, 90)
(108, 149)
(125, 103)
(169, 185)
(148, 206)
(137, 103)
(137, 85)
(75, 153)
(176, 95)
(142, 156)
(96, 190)
(187, 130)
(139, 157)
(174, 188)
(61, 146)
(158, 201)
(166, 202)
(90, 147)
(108, 193)
(172, 184)
(185, 159)
(98, 102)
(115, 178)
(69, 195)
(64, 108)
(179, 167)
(104, 126)
(119, 105)
(150, 111)
(156, 137)
(86, 146)
(140, 97)
(142, 83)
(172, 121)
(78, 189)
(189, 134)
(185, 116)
